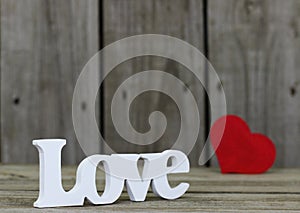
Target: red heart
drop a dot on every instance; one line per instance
(239, 150)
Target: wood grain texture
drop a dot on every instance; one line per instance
(22, 202)
(204, 180)
(181, 19)
(44, 46)
(210, 191)
(254, 46)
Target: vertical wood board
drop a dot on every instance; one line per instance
(255, 47)
(181, 19)
(44, 46)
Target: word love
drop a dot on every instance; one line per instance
(119, 169)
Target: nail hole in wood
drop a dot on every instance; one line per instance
(16, 101)
(124, 94)
(293, 91)
(83, 106)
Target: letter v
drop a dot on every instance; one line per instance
(137, 188)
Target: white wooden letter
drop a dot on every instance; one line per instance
(118, 169)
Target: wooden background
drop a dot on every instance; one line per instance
(254, 45)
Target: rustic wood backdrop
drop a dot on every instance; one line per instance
(254, 45)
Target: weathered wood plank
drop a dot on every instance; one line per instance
(44, 46)
(182, 19)
(284, 181)
(23, 201)
(277, 190)
(254, 46)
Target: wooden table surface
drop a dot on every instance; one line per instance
(278, 190)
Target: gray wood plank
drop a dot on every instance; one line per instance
(21, 201)
(204, 180)
(254, 46)
(181, 19)
(277, 190)
(44, 46)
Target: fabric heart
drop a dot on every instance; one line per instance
(241, 151)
